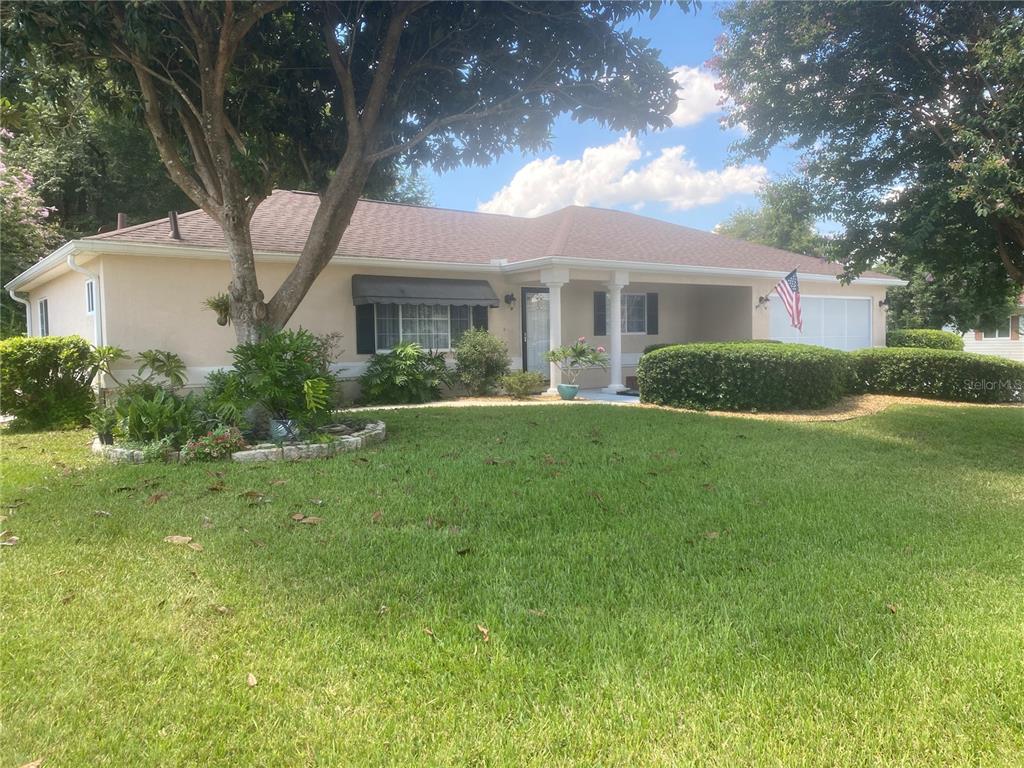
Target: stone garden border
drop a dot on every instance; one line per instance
(374, 432)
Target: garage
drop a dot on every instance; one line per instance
(839, 323)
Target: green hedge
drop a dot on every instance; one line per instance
(45, 383)
(744, 376)
(652, 347)
(939, 373)
(925, 338)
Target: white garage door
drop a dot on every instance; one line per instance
(828, 322)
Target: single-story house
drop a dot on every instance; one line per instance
(1006, 340)
(405, 272)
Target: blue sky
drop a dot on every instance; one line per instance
(682, 174)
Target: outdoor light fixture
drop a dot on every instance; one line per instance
(884, 303)
(761, 301)
(510, 299)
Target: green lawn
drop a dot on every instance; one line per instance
(658, 589)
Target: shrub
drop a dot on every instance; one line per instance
(480, 361)
(522, 384)
(160, 416)
(406, 374)
(925, 337)
(218, 443)
(652, 347)
(45, 382)
(287, 373)
(574, 358)
(939, 373)
(744, 377)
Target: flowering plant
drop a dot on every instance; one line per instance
(574, 358)
(218, 443)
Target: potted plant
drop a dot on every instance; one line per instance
(104, 421)
(287, 375)
(572, 360)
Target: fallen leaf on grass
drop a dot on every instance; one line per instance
(485, 632)
(207, 522)
(223, 610)
(317, 502)
(253, 496)
(711, 534)
(159, 496)
(195, 545)
(33, 764)
(536, 612)
(175, 539)
(14, 504)
(67, 598)
(124, 488)
(382, 611)
(6, 540)
(278, 482)
(709, 487)
(429, 633)
(377, 516)
(311, 520)
(216, 487)
(250, 680)
(463, 551)
(214, 473)
(297, 516)
(892, 607)
(101, 513)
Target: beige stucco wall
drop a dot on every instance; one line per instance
(157, 302)
(66, 307)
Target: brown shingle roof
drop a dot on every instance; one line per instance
(393, 231)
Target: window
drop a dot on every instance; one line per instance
(997, 333)
(44, 317)
(90, 297)
(432, 326)
(634, 312)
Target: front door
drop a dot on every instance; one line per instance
(536, 333)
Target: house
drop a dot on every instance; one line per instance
(1006, 340)
(405, 272)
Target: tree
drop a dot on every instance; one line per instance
(26, 233)
(785, 219)
(909, 118)
(239, 96)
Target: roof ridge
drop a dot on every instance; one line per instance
(561, 236)
(136, 227)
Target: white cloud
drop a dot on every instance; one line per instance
(609, 176)
(697, 95)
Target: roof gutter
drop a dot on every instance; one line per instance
(28, 309)
(97, 297)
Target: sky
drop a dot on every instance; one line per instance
(682, 174)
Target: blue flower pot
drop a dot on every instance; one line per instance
(568, 391)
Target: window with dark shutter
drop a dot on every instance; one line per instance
(480, 317)
(366, 343)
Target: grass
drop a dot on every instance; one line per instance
(658, 589)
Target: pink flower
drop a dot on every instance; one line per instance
(600, 349)
(581, 339)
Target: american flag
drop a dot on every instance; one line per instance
(789, 291)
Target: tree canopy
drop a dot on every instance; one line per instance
(786, 219)
(909, 117)
(244, 96)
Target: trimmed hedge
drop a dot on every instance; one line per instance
(652, 347)
(746, 376)
(45, 382)
(925, 338)
(938, 373)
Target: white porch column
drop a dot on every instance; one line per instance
(619, 281)
(553, 280)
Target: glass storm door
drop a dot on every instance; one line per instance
(536, 334)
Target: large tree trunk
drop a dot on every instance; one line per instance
(248, 311)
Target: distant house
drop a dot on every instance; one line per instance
(409, 273)
(1005, 340)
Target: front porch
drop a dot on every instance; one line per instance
(625, 313)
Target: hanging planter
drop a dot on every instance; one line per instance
(222, 306)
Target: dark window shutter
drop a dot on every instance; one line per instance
(652, 314)
(366, 342)
(480, 318)
(600, 313)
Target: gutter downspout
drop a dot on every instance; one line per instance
(28, 309)
(98, 314)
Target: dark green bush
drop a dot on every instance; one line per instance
(522, 384)
(406, 374)
(45, 382)
(652, 347)
(939, 373)
(480, 361)
(160, 416)
(926, 338)
(744, 377)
